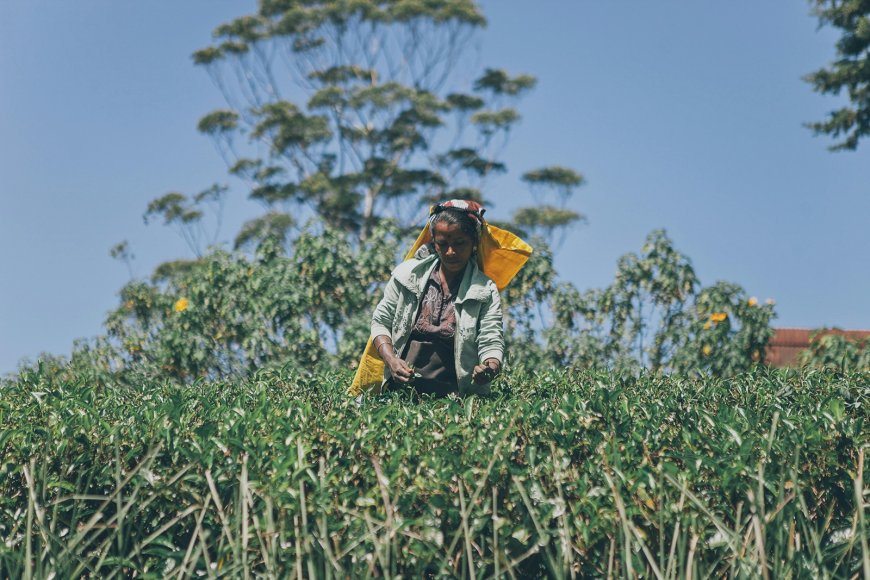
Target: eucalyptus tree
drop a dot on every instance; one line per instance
(358, 110)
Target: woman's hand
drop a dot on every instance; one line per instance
(486, 372)
(402, 373)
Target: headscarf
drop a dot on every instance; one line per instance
(471, 208)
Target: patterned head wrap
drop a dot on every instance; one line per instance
(471, 208)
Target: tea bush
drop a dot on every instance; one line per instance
(567, 474)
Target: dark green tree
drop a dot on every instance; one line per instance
(850, 72)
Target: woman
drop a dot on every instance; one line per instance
(438, 327)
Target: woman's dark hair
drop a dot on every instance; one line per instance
(451, 216)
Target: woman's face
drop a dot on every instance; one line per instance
(453, 246)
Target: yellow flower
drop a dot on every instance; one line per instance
(770, 301)
(182, 304)
(753, 301)
(707, 350)
(707, 325)
(718, 317)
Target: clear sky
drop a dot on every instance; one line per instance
(681, 115)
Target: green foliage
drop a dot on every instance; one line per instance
(833, 351)
(218, 122)
(728, 332)
(555, 176)
(552, 187)
(288, 129)
(499, 83)
(122, 252)
(173, 208)
(655, 316)
(274, 226)
(559, 474)
(546, 220)
(525, 303)
(185, 215)
(635, 322)
(849, 73)
(227, 314)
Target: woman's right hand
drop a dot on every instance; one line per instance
(400, 370)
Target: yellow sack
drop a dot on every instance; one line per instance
(500, 255)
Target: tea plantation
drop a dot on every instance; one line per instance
(561, 474)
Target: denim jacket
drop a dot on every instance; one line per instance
(479, 325)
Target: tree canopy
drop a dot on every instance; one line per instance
(849, 73)
(352, 112)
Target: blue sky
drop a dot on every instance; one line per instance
(681, 115)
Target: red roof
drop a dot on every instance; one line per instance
(783, 348)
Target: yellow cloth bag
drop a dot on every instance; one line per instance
(500, 255)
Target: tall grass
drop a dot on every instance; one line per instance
(561, 474)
